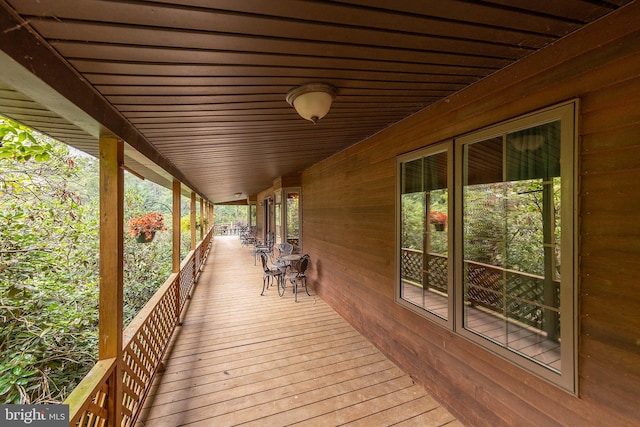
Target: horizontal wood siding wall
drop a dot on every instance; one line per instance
(349, 214)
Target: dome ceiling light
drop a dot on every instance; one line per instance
(312, 100)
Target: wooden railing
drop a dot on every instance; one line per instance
(513, 294)
(436, 272)
(145, 342)
(227, 229)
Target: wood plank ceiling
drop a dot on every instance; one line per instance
(203, 82)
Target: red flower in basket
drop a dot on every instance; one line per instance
(438, 219)
(146, 225)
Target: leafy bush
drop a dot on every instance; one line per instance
(49, 264)
(48, 289)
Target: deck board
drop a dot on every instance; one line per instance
(244, 359)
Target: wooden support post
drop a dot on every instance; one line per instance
(206, 215)
(175, 268)
(202, 219)
(192, 220)
(176, 227)
(211, 216)
(111, 268)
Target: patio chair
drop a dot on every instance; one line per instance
(283, 250)
(269, 275)
(248, 236)
(266, 247)
(297, 275)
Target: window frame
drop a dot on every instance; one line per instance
(442, 147)
(567, 114)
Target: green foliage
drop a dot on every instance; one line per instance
(230, 214)
(144, 196)
(48, 289)
(18, 143)
(293, 217)
(414, 221)
(147, 265)
(504, 224)
(185, 224)
(48, 340)
(49, 266)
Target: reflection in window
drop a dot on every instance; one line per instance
(277, 216)
(424, 237)
(293, 219)
(253, 214)
(496, 204)
(511, 226)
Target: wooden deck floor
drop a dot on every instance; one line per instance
(244, 359)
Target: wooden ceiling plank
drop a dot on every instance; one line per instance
(180, 69)
(582, 10)
(199, 85)
(224, 100)
(45, 76)
(318, 25)
(415, 62)
(106, 80)
(377, 13)
(158, 37)
(525, 15)
(423, 89)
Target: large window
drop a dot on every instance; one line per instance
(292, 221)
(510, 238)
(425, 233)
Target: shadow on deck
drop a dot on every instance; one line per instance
(244, 359)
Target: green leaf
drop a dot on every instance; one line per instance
(5, 388)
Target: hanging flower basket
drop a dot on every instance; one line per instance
(438, 219)
(144, 227)
(145, 237)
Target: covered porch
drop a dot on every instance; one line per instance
(239, 358)
(193, 95)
